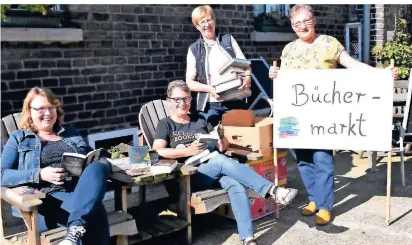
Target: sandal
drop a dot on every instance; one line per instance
(287, 198)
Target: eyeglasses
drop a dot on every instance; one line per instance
(307, 22)
(42, 110)
(206, 22)
(177, 100)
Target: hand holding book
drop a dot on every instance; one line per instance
(220, 131)
(53, 175)
(196, 148)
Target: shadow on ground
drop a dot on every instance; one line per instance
(355, 187)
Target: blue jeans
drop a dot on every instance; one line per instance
(232, 175)
(317, 172)
(214, 110)
(83, 207)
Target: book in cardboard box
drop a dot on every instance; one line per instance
(259, 136)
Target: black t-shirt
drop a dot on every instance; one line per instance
(179, 135)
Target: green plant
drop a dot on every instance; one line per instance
(41, 8)
(275, 16)
(399, 49)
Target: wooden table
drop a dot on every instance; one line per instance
(162, 224)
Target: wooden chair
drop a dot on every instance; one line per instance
(120, 222)
(402, 133)
(203, 201)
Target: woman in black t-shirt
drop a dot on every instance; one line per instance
(176, 139)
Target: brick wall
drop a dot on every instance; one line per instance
(129, 54)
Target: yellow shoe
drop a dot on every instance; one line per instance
(323, 217)
(310, 209)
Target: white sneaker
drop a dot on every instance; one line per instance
(73, 236)
(282, 195)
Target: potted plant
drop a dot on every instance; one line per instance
(31, 15)
(272, 21)
(399, 49)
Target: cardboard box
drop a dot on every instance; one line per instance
(231, 118)
(266, 152)
(259, 136)
(274, 172)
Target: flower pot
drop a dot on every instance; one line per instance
(26, 18)
(262, 25)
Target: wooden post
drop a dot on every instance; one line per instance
(32, 223)
(1, 220)
(388, 189)
(120, 203)
(183, 206)
(392, 65)
(275, 160)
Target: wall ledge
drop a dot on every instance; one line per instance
(44, 35)
(272, 36)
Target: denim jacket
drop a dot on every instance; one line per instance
(20, 159)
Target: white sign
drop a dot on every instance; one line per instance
(345, 109)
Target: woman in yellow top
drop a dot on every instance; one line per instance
(314, 51)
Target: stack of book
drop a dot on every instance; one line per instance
(229, 82)
(211, 141)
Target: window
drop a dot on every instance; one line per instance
(267, 8)
(272, 23)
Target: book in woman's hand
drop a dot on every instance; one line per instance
(75, 163)
(201, 157)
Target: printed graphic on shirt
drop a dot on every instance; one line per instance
(182, 139)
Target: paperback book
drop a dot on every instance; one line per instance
(75, 163)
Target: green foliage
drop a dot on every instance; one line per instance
(42, 8)
(399, 49)
(3, 10)
(275, 16)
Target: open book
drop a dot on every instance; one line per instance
(75, 163)
(23, 193)
(163, 166)
(201, 158)
(240, 63)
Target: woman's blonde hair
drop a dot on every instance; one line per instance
(26, 122)
(177, 84)
(200, 12)
(298, 7)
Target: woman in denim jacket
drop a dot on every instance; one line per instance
(32, 157)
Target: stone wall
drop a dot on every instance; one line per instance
(128, 56)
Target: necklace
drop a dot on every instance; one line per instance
(48, 138)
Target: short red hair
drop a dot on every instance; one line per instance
(200, 12)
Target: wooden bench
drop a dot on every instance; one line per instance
(121, 223)
(204, 201)
(402, 117)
